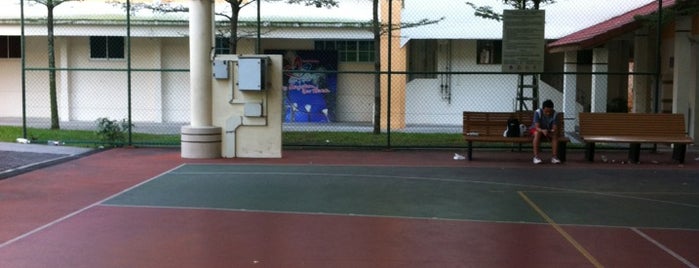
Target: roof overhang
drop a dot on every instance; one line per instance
(601, 33)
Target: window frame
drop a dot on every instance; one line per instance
(488, 52)
(422, 59)
(108, 52)
(222, 45)
(10, 47)
(349, 50)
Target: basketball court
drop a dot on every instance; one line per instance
(151, 208)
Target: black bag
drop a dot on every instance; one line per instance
(512, 128)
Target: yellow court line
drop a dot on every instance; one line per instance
(560, 230)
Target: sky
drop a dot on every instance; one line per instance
(562, 18)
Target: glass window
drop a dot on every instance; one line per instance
(349, 51)
(422, 59)
(489, 52)
(10, 47)
(107, 47)
(223, 45)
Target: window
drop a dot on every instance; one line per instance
(422, 59)
(489, 52)
(10, 47)
(223, 45)
(106, 47)
(350, 51)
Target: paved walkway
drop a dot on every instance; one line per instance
(17, 157)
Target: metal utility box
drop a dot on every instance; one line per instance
(221, 69)
(252, 73)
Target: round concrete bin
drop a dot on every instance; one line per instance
(201, 142)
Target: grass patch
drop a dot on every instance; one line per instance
(82, 138)
(86, 138)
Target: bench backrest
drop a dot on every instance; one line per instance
(632, 124)
(495, 123)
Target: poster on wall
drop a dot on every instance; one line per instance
(309, 91)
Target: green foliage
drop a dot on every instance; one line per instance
(487, 12)
(112, 132)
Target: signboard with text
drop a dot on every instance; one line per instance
(523, 41)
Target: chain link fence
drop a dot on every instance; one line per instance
(443, 60)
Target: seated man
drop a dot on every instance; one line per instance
(544, 127)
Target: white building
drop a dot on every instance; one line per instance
(93, 43)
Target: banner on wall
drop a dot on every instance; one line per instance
(309, 92)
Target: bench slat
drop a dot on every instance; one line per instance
(638, 139)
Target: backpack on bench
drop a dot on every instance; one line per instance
(513, 129)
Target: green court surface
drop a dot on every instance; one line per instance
(636, 198)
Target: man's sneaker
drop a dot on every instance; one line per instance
(555, 160)
(536, 160)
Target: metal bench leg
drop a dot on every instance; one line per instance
(678, 152)
(634, 152)
(562, 148)
(469, 151)
(590, 151)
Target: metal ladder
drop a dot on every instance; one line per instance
(522, 99)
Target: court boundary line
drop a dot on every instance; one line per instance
(308, 213)
(74, 213)
(560, 230)
(664, 248)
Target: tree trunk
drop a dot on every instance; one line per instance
(233, 39)
(52, 70)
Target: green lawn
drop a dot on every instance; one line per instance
(80, 137)
(311, 139)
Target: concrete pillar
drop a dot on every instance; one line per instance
(570, 90)
(641, 98)
(398, 64)
(63, 78)
(200, 139)
(200, 35)
(683, 75)
(599, 81)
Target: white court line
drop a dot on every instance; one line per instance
(43, 227)
(663, 247)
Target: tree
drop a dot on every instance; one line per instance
(488, 12)
(233, 17)
(50, 5)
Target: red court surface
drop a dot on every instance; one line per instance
(57, 217)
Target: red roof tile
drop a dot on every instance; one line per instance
(602, 32)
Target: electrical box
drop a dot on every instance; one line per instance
(252, 109)
(252, 73)
(221, 69)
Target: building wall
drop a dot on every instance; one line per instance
(427, 105)
(10, 87)
(355, 92)
(163, 96)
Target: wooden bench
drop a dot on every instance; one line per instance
(635, 129)
(489, 127)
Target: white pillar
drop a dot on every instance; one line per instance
(63, 83)
(642, 63)
(599, 81)
(682, 75)
(570, 90)
(200, 139)
(200, 35)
